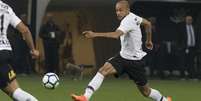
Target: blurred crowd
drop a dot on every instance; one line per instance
(57, 47)
(179, 57)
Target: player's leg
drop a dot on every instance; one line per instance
(154, 94)
(17, 93)
(10, 86)
(96, 82)
(113, 66)
(136, 72)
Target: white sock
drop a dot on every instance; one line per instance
(156, 95)
(20, 95)
(94, 84)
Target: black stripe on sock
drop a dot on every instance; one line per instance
(90, 87)
(161, 98)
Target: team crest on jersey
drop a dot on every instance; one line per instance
(138, 23)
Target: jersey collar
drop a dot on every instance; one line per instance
(126, 15)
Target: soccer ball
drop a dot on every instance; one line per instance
(50, 80)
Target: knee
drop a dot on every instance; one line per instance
(106, 69)
(103, 71)
(145, 93)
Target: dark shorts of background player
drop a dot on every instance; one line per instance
(133, 68)
(5, 69)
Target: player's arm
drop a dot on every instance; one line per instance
(115, 35)
(24, 30)
(147, 25)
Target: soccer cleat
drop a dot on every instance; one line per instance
(78, 98)
(169, 98)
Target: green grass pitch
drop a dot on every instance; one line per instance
(111, 90)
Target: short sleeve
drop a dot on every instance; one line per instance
(125, 26)
(138, 20)
(14, 20)
(129, 23)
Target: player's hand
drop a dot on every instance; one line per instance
(149, 45)
(88, 34)
(34, 54)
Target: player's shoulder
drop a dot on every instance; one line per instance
(129, 18)
(136, 19)
(135, 16)
(5, 7)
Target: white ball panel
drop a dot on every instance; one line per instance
(45, 79)
(48, 85)
(52, 79)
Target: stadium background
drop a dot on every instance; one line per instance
(89, 11)
(99, 15)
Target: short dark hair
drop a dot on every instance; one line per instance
(126, 2)
(121, 0)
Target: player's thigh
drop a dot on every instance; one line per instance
(107, 69)
(8, 81)
(136, 72)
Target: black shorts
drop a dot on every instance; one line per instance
(134, 69)
(7, 74)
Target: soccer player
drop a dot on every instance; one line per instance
(8, 82)
(130, 59)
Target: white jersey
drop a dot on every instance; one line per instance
(131, 40)
(7, 17)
